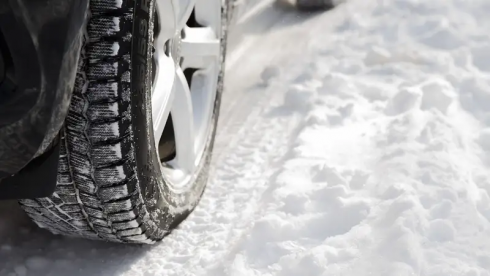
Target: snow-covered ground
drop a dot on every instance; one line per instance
(352, 142)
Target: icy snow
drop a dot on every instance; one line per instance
(352, 142)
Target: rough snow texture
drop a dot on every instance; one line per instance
(364, 153)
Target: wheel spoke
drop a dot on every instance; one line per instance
(208, 13)
(203, 102)
(163, 93)
(184, 11)
(200, 47)
(183, 122)
(166, 11)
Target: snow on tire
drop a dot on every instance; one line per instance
(110, 185)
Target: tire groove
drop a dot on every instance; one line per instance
(77, 192)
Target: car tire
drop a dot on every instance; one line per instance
(110, 183)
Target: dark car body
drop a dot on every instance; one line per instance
(40, 42)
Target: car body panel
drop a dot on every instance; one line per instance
(44, 39)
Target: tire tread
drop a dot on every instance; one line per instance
(98, 195)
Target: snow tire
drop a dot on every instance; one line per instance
(110, 185)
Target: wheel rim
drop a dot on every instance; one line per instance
(186, 62)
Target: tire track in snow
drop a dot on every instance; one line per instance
(252, 138)
(235, 188)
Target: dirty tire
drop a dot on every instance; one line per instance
(109, 184)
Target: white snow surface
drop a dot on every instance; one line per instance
(352, 142)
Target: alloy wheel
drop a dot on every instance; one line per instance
(187, 61)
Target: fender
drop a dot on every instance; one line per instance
(40, 42)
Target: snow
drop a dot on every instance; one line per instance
(351, 142)
(115, 47)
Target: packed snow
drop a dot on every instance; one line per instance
(352, 142)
